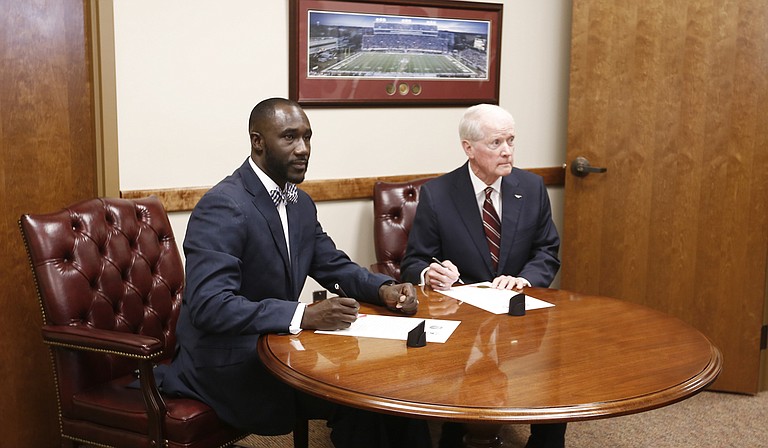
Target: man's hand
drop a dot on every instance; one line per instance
(440, 276)
(330, 314)
(509, 282)
(401, 296)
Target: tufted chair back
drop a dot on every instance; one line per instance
(394, 206)
(110, 281)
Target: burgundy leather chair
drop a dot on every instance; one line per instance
(110, 279)
(394, 206)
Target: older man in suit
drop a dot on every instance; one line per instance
(485, 221)
(251, 242)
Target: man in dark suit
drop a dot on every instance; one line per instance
(251, 242)
(485, 221)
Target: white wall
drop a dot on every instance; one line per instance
(189, 72)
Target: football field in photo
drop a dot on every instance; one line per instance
(417, 65)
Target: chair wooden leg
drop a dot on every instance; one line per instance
(301, 433)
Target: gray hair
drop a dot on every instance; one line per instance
(474, 118)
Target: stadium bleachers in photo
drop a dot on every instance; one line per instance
(474, 58)
(404, 36)
(404, 42)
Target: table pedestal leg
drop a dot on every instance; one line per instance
(482, 436)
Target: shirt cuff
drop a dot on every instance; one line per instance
(298, 315)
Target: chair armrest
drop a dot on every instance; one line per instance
(130, 345)
(91, 339)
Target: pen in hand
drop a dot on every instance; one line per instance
(339, 291)
(460, 281)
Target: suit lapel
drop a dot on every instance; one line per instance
(512, 202)
(466, 207)
(266, 207)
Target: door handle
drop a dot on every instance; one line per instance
(581, 167)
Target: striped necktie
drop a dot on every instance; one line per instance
(492, 226)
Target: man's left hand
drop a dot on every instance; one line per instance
(399, 297)
(509, 282)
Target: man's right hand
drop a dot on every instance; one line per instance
(330, 314)
(441, 276)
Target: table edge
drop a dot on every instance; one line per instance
(587, 411)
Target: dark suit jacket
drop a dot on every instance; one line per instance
(448, 225)
(240, 283)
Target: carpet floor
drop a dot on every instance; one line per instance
(706, 420)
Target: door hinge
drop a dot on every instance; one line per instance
(764, 337)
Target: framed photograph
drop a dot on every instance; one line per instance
(377, 53)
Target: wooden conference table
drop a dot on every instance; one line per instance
(587, 357)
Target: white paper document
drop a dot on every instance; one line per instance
(393, 327)
(488, 298)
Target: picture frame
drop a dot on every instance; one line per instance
(394, 53)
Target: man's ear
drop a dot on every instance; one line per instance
(257, 142)
(468, 149)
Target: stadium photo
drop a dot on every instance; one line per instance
(376, 46)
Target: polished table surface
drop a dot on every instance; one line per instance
(587, 357)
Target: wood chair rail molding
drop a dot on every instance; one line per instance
(185, 199)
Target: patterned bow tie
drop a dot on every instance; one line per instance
(290, 195)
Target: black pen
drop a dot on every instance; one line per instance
(442, 265)
(340, 291)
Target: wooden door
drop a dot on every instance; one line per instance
(672, 98)
(47, 160)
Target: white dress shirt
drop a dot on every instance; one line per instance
(270, 185)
